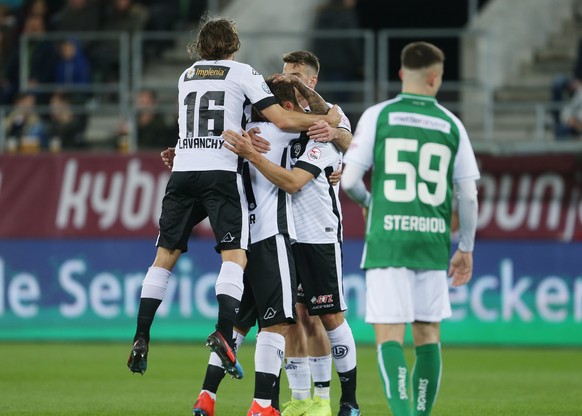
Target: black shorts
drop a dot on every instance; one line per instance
(270, 287)
(319, 277)
(192, 196)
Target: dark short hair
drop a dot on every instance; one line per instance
(419, 55)
(283, 91)
(217, 39)
(304, 58)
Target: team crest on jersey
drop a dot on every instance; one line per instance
(314, 154)
(296, 150)
(266, 88)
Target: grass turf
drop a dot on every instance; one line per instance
(92, 379)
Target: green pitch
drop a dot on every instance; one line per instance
(92, 379)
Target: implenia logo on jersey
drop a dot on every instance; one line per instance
(269, 314)
(314, 154)
(228, 238)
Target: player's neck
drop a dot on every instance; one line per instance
(417, 89)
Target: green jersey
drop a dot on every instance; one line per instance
(416, 149)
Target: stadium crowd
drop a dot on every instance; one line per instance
(69, 60)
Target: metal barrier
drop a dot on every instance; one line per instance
(473, 101)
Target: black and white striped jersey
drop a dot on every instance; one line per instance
(211, 99)
(316, 207)
(270, 210)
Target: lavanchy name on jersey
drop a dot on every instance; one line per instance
(200, 143)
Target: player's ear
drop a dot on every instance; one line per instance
(288, 105)
(431, 78)
(401, 74)
(313, 82)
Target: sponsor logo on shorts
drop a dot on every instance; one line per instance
(322, 299)
(228, 238)
(339, 351)
(270, 313)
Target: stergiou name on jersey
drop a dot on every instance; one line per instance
(201, 143)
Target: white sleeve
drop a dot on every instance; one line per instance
(361, 150)
(466, 192)
(254, 86)
(465, 167)
(352, 183)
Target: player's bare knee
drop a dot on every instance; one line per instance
(332, 321)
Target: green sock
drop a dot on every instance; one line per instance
(426, 378)
(394, 374)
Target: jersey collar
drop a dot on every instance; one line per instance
(410, 96)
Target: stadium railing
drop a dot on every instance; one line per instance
(474, 102)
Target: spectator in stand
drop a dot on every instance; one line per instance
(151, 128)
(570, 123)
(7, 35)
(78, 16)
(24, 127)
(72, 67)
(66, 129)
(40, 64)
(40, 8)
(565, 88)
(341, 61)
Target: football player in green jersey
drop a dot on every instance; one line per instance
(420, 155)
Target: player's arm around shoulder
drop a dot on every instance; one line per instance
(289, 181)
(323, 132)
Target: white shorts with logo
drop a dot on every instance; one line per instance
(397, 295)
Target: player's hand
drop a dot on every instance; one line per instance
(461, 267)
(168, 156)
(239, 144)
(365, 214)
(335, 176)
(261, 145)
(321, 131)
(333, 116)
(280, 78)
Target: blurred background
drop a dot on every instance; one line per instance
(88, 100)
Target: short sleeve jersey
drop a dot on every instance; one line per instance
(344, 122)
(211, 99)
(417, 149)
(272, 213)
(316, 207)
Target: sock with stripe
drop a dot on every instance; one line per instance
(426, 377)
(394, 375)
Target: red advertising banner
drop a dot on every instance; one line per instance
(113, 195)
(531, 197)
(81, 195)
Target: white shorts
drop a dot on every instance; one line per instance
(397, 295)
